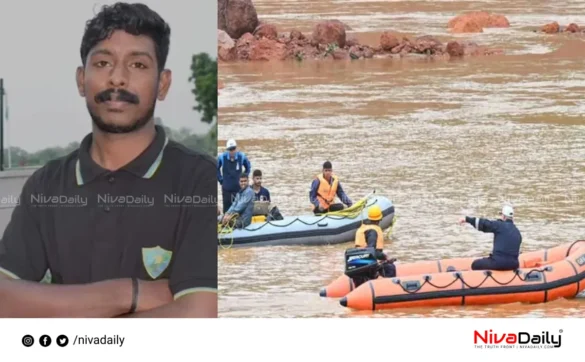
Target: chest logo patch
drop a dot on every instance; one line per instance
(156, 260)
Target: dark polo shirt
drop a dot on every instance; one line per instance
(154, 218)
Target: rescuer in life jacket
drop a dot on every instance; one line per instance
(324, 189)
(371, 235)
(507, 240)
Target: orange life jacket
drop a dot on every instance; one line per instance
(360, 236)
(325, 192)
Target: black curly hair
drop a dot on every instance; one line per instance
(135, 19)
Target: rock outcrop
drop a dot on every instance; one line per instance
(236, 17)
(242, 37)
(476, 21)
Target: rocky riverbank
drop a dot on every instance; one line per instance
(243, 37)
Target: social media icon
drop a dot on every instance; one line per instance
(45, 340)
(28, 340)
(62, 340)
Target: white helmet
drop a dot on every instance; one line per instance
(508, 211)
(231, 143)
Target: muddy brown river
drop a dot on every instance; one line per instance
(442, 139)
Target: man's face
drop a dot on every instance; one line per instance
(243, 183)
(121, 82)
(258, 181)
(232, 152)
(327, 173)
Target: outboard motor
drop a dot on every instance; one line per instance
(361, 265)
(274, 215)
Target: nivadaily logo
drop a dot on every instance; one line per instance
(489, 339)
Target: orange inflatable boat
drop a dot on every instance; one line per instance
(341, 286)
(544, 276)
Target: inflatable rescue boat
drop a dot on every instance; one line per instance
(544, 276)
(332, 228)
(341, 286)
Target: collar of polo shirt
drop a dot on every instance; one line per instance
(145, 165)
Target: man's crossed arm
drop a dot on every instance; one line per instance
(111, 298)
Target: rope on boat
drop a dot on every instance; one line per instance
(459, 276)
(350, 213)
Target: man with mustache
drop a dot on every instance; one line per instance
(116, 255)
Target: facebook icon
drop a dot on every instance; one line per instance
(45, 340)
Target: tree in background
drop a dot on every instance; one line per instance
(204, 76)
(22, 158)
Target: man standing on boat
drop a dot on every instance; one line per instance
(507, 240)
(324, 189)
(371, 235)
(230, 165)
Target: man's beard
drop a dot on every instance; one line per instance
(120, 129)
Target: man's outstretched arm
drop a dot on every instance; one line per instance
(485, 225)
